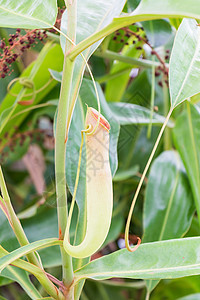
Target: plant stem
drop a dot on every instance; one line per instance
(124, 21)
(144, 63)
(60, 145)
(50, 288)
(14, 221)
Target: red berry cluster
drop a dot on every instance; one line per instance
(16, 45)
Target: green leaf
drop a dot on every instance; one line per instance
(23, 279)
(42, 225)
(186, 136)
(158, 32)
(184, 70)
(127, 114)
(176, 22)
(28, 14)
(158, 260)
(147, 10)
(162, 9)
(92, 16)
(168, 207)
(8, 259)
(173, 289)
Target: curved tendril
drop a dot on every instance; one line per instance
(132, 249)
(29, 84)
(25, 82)
(128, 222)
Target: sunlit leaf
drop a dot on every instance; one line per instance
(28, 14)
(168, 207)
(184, 68)
(158, 260)
(187, 141)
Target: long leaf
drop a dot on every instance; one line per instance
(158, 32)
(127, 114)
(184, 68)
(23, 279)
(28, 14)
(8, 259)
(147, 10)
(187, 141)
(158, 260)
(43, 225)
(169, 207)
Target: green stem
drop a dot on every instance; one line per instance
(14, 221)
(147, 296)
(144, 63)
(124, 21)
(50, 288)
(60, 145)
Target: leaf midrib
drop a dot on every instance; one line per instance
(114, 273)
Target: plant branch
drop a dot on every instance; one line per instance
(124, 21)
(14, 221)
(39, 273)
(60, 145)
